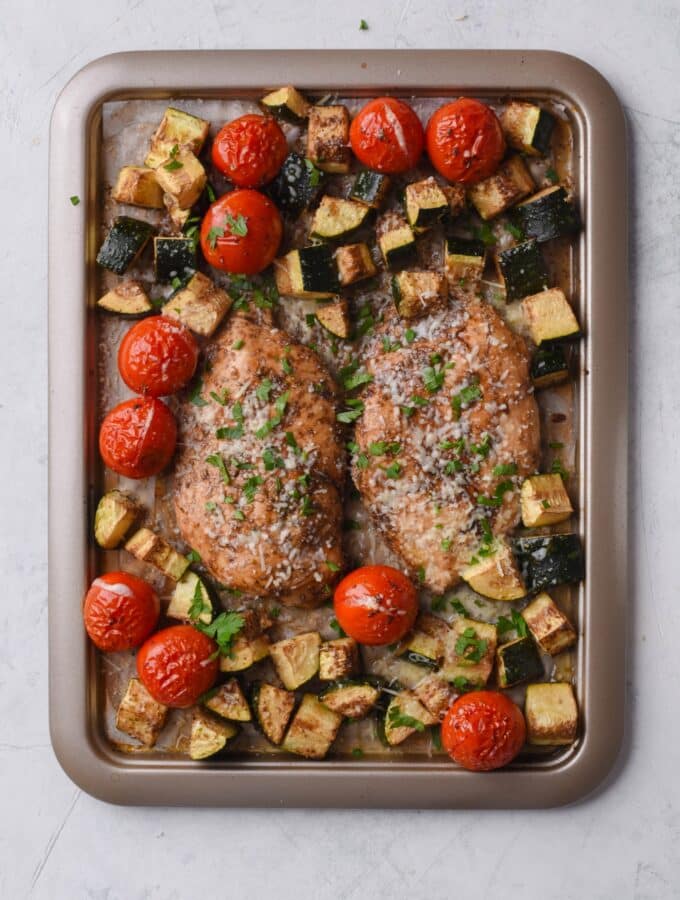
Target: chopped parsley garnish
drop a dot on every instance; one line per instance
(286, 366)
(389, 345)
(485, 234)
(514, 623)
(552, 175)
(409, 335)
(557, 468)
(505, 469)
(351, 415)
(453, 466)
(365, 320)
(263, 390)
(307, 508)
(75, 200)
(461, 683)
(198, 604)
(313, 172)
(446, 544)
(275, 612)
(230, 432)
(195, 395)
(545, 504)
(356, 379)
(497, 500)
(213, 235)
(335, 625)
(397, 719)
(216, 460)
(457, 445)
(211, 506)
(381, 448)
(194, 556)
(270, 460)
(238, 345)
(238, 226)
(470, 647)
(239, 514)
(438, 604)
(420, 574)
(174, 162)
(363, 25)
(223, 630)
(483, 448)
(362, 461)
(334, 567)
(222, 398)
(433, 378)
(516, 232)
(393, 470)
(210, 191)
(416, 403)
(556, 445)
(250, 487)
(465, 397)
(280, 405)
(357, 752)
(457, 606)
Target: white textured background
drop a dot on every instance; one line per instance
(56, 842)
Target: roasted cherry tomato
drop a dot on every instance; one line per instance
(387, 135)
(483, 730)
(177, 665)
(376, 605)
(465, 141)
(241, 232)
(138, 437)
(120, 611)
(157, 356)
(250, 150)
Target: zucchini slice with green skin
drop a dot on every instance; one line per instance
(518, 661)
(549, 317)
(338, 659)
(309, 272)
(337, 218)
(335, 318)
(396, 240)
(124, 243)
(405, 716)
(419, 293)
(313, 729)
(352, 699)
(469, 652)
(434, 692)
(549, 560)
(527, 127)
(209, 735)
(273, 708)
(115, 516)
(296, 659)
(296, 185)
(522, 270)
(355, 263)
(151, 548)
(547, 215)
(137, 186)
(286, 103)
(425, 645)
(190, 600)
(425, 204)
(551, 714)
(464, 260)
(370, 188)
(496, 575)
(510, 183)
(549, 366)
(328, 138)
(551, 629)
(126, 299)
(199, 304)
(228, 702)
(245, 652)
(139, 715)
(173, 257)
(177, 129)
(544, 501)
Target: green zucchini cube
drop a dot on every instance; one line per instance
(370, 188)
(123, 244)
(518, 661)
(425, 204)
(548, 214)
(296, 185)
(549, 560)
(287, 103)
(522, 270)
(549, 366)
(396, 240)
(310, 272)
(173, 257)
(527, 127)
(464, 260)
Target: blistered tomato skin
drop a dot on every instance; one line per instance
(387, 136)
(376, 605)
(483, 730)
(157, 356)
(224, 244)
(250, 150)
(138, 437)
(465, 141)
(120, 611)
(178, 664)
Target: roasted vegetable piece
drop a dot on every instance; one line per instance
(544, 501)
(209, 735)
(496, 576)
(286, 103)
(352, 699)
(124, 243)
(229, 702)
(296, 659)
(328, 138)
(177, 129)
(151, 548)
(527, 127)
(127, 299)
(139, 715)
(549, 317)
(549, 626)
(312, 730)
(137, 186)
(115, 515)
(551, 714)
(273, 708)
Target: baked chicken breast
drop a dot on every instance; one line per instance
(261, 465)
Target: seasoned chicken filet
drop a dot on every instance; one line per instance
(450, 428)
(261, 467)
